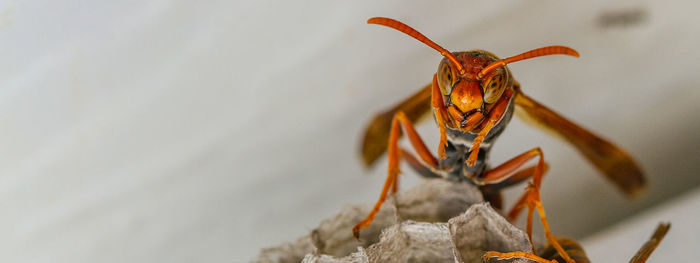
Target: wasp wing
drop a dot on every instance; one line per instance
(648, 247)
(612, 161)
(376, 139)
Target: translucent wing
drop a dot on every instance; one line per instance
(376, 138)
(612, 161)
(648, 247)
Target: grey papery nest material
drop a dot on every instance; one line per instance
(436, 221)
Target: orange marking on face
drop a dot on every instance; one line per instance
(466, 96)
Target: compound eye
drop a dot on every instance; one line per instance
(493, 87)
(446, 78)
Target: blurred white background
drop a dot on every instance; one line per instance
(182, 131)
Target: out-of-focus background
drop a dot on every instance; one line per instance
(182, 131)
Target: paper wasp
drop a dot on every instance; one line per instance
(473, 96)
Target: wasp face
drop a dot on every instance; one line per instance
(468, 98)
(471, 82)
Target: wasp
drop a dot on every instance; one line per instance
(473, 96)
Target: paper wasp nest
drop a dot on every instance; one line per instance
(436, 221)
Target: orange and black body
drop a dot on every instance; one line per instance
(472, 97)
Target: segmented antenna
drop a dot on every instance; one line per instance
(418, 36)
(539, 52)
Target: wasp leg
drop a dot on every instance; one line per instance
(531, 198)
(399, 121)
(507, 173)
(518, 208)
(521, 176)
(512, 255)
(440, 117)
(492, 192)
(376, 138)
(417, 165)
(490, 121)
(518, 177)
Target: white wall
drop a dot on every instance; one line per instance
(154, 131)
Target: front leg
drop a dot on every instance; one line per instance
(440, 117)
(494, 116)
